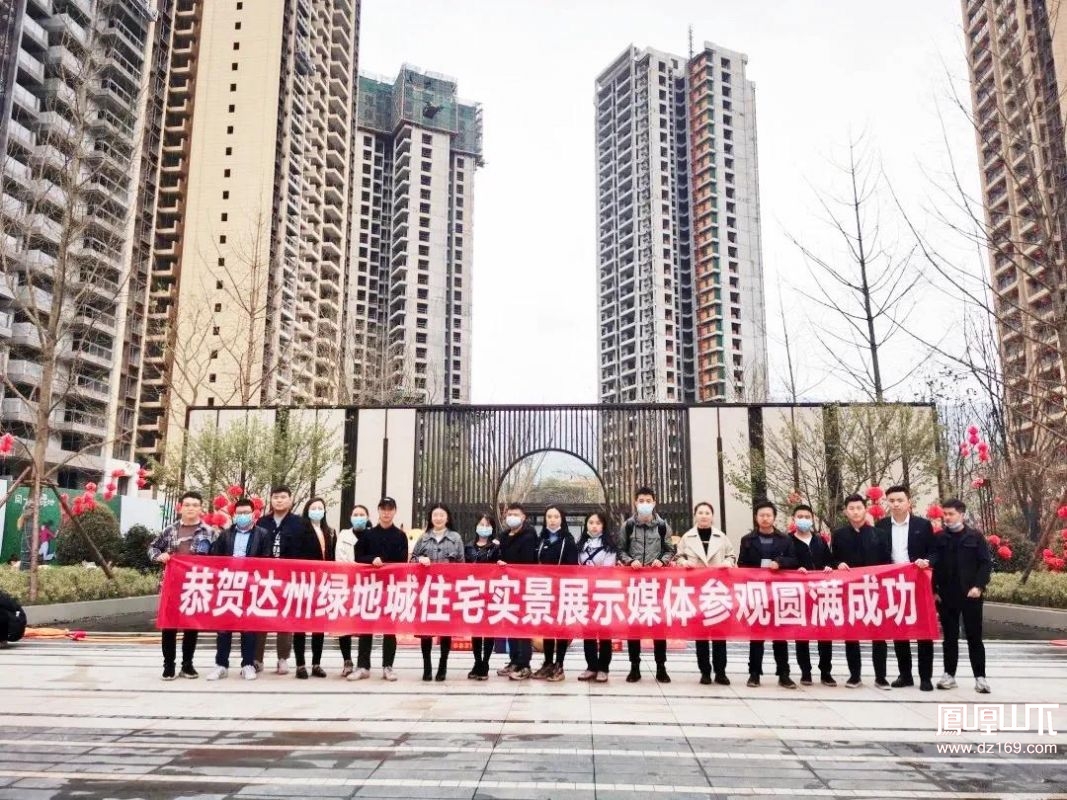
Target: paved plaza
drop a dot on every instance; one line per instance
(92, 720)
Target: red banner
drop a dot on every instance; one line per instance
(254, 594)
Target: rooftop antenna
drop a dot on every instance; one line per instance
(690, 41)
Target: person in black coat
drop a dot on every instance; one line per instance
(767, 547)
(962, 568)
(383, 544)
(288, 534)
(318, 543)
(242, 539)
(813, 555)
(485, 549)
(12, 619)
(910, 539)
(557, 547)
(518, 545)
(861, 545)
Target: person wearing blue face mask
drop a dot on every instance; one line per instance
(813, 554)
(242, 539)
(485, 549)
(345, 552)
(319, 544)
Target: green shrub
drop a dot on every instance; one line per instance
(74, 584)
(1048, 589)
(135, 549)
(101, 526)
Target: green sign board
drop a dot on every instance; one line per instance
(11, 546)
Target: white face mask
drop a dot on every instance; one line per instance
(513, 521)
(645, 509)
(553, 531)
(483, 531)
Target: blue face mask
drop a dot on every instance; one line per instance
(359, 523)
(243, 521)
(804, 525)
(316, 514)
(483, 531)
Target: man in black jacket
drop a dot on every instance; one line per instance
(962, 568)
(861, 545)
(286, 531)
(518, 545)
(910, 539)
(768, 548)
(383, 544)
(243, 539)
(813, 555)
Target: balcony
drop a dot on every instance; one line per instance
(25, 98)
(31, 66)
(82, 422)
(34, 32)
(21, 134)
(27, 372)
(93, 353)
(13, 409)
(6, 321)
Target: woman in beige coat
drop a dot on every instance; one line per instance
(704, 545)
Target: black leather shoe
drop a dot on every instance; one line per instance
(705, 678)
(902, 682)
(634, 676)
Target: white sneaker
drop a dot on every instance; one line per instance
(388, 674)
(216, 673)
(248, 673)
(947, 682)
(360, 674)
(283, 666)
(981, 685)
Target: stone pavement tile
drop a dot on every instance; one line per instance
(493, 793)
(28, 794)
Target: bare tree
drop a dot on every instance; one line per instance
(867, 294)
(62, 251)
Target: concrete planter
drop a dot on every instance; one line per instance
(1054, 619)
(69, 612)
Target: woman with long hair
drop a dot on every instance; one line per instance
(597, 548)
(345, 552)
(322, 547)
(556, 547)
(485, 549)
(438, 545)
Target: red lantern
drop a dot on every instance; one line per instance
(875, 493)
(141, 482)
(1063, 534)
(231, 509)
(972, 430)
(983, 456)
(90, 488)
(108, 496)
(964, 450)
(977, 483)
(235, 491)
(1061, 512)
(825, 536)
(118, 473)
(1047, 553)
(1004, 552)
(7, 443)
(792, 527)
(876, 512)
(934, 511)
(993, 539)
(220, 502)
(257, 503)
(973, 438)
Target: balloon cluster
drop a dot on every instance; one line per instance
(86, 501)
(875, 509)
(974, 446)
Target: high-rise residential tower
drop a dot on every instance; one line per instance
(418, 146)
(74, 77)
(249, 272)
(679, 254)
(1017, 55)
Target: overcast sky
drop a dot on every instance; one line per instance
(824, 70)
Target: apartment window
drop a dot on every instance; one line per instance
(225, 216)
(229, 129)
(427, 152)
(424, 236)
(214, 354)
(218, 284)
(427, 138)
(424, 208)
(424, 222)
(211, 401)
(226, 194)
(425, 180)
(229, 151)
(226, 173)
(218, 306)
(237, 25)
(236, 45)
(240, 6)
(424, 194)
(232, 108)
(233, 66)
(215, 330)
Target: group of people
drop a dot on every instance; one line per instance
(958, 556)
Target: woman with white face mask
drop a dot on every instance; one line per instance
(359, 520)
(485, 549)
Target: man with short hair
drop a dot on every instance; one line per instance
(858, 544)
(243, 539)
(383, 544)
(188, 536)
(285, 531)
(518, 545)
(646, 542)
(813, 555)
(911, 538)
(962, 568)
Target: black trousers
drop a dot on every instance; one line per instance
(971, 611)
(926, 659)
(345, 643)
(299, 642)
(170, 646)
(804, 657)
(366, 644)
(482, 649)
(427, 649)
(597, 655)
(781, 658)
(879, 651)
(521, 651)
(659, 650)
(712, 655)
(556, 650)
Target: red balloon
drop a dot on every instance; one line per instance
(1004, 552)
